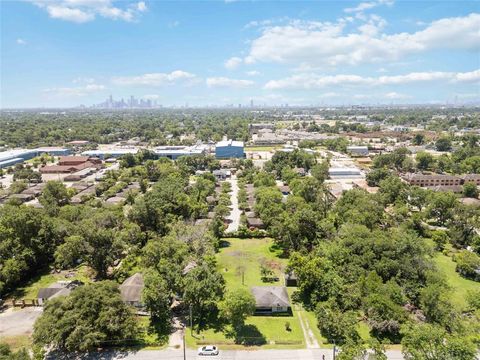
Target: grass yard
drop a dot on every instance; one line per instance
(17, 342)
(244, 256)
(30, 290)
(459, 284)
(148, 338)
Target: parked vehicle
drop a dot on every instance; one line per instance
(208, 350)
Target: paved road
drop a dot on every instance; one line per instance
(305, 354)
(234, 216)
(18, 321)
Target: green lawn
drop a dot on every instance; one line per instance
(459, 284)
(241, 259)
(17, 342)
(30, 290)
(244, 256)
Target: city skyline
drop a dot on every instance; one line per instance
(297, 53)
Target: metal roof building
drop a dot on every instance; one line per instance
(229, 149)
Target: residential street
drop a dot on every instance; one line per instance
(234, 216)
(304, 354)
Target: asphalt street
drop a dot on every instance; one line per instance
(303, 354)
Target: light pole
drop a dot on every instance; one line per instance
(334, 350)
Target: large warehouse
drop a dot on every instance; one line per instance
(12, 157)
(229, 149)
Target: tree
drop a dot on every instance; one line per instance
(391, 189)
(418, 139)
(441, 206)
(91, 315)
(468, 264)
(157, 299)
(103, 243)
(336, 325)
(374, 176)
(443, 144)
(424, 160)
(68, 253)
(431, 342)
(237, 306)
(203, 289)
(435, 303)
(440, 239)
(470, 190)
(54, 194)
(320, 171)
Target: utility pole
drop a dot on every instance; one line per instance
(184, 351)
(191, 321)
(334, 350)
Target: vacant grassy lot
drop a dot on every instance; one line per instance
(239, 261)
(459, 284)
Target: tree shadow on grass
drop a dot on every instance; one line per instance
(224, 244)
(248, 335)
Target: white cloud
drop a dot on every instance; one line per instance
(396, 96)
(233, 63)
(141, 6)
(78, 91)
(252, 73)
(472, 76)
(318, 44)
(227, 82)
(315, 81)
(367, 6)
(154, 79)
(83, 80)
(21, 41)
(81, 11)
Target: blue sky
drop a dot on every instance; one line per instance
(71, 52)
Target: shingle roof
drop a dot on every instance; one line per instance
(132, 288)
(270, 296)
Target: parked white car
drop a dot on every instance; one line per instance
(208, 350)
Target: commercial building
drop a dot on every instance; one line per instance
(12, 157)
(358, 150)
(229, 149)
(109, 153)
(174, 152)
(72, 164)
(436, 180)
(344, 172)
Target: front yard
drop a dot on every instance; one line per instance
(240, 262)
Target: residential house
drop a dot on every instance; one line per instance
(271, 299)
(131, 290)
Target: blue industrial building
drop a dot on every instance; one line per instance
(229, 149)
(12, 157)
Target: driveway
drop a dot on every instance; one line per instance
(234, 216)
(18, 321)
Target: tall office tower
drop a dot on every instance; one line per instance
(251, 103)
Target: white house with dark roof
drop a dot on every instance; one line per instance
(271, 299)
